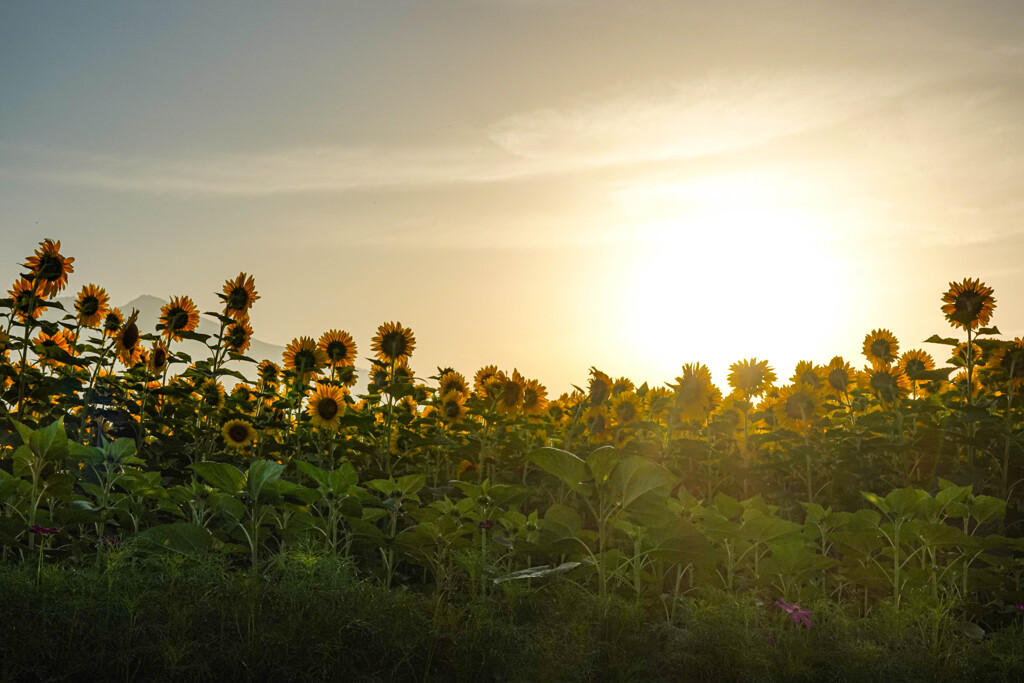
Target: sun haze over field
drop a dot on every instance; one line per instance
(538, 185)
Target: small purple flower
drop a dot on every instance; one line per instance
(486, 524)
(109, 541)
(1020, 606)
(799, 615)
(43, 530)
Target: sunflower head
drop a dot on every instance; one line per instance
(599, 387)
(751, 377)
(127, 342)
(238, 335)
(887, 383)
(178, 315)
(339, 348)
(28, 300)
(482, 379)
(880, 347)
(112, 322)
(622, 384)
(158, 358)
(326, 406)
(452, 381)
(268, 371)
(211, 393)
(49, 268)
(915, 363)
(237, 434)
(1007, 362)
(91, 305)
(239, 296)
(465, 466)
(535, 397)
(625, 407)
(797, 406)
(509, 392)
(302, 357)
(5, 344)
(808, 374)
(393, 343)
(839, 376)
(968, 304)
(452, 408)
(695, 395)
(658, 403)
(48, 345)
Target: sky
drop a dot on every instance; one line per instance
(544, 185)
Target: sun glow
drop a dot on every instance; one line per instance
(731, 268)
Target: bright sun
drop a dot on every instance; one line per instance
(731, 268)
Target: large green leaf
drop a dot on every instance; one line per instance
(181, 537)
(635, 477)
(564, 465)
(601, 463)
(262, 473)
(221, 476)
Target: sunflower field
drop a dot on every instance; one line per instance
(874, 485)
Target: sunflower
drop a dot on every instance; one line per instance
(465, 466)
(210, 393)
(393, 342)
(127, 342)
(599, 388)
(968, 304)
(302, 357)
(915, 362)
(27, 299)
(808, 374)
(326, 406)
(597, 422)
(50, 343)
(622, 384)
(91, 305)
(482, 377)
(158, 358)
(238, 335)
(452, 381)
(237, 434)
(888, 384)
(509, 392)
(379, 377)
(268, 371)
(408, 404)
(400, 443)
(239, 296)
(535, 397)
(880, 347)
(658, 403)
(959, 357)
(112, 322)
(751, 377)
(5, 344)
(797, 406)
(177, 316)
(555, 410)
(1007, 362)
(452, 409)
(403, 373)
(695, 394)
(49, 268)
(339, 348)
(839, 377)
(625, 407)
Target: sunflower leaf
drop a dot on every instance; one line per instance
(936, 339)
(989, 330)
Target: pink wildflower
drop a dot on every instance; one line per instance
(798, 614)
(43, 530)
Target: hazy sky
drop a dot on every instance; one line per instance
(546, 185)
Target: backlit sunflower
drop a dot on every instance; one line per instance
(915, 362)
(695, 395)
(47, 345)
(238, 335)
(597, 423)
(808, 374)
(27, 302)
(452, 381)
(112, 322)
(49, 268)
(237, 434)
(302, 357)
(393, 343)
(659, 404)
(880, 347)
(1007, 362)
(968, 304)
(599, 388)
(465, 466)
(797, 406)
(888, 383)
(839, 377)
(239, 296)
(509, 392)
(339, 348)
(482, 377)
(751, 377)
(625, 408)
(268, 372)
(622, 384)
(177, 316)
(960, 355)
(128, 342)
(91, 305)
(326, 406)
(403, 373)
(211, 393)
(535, 397)
(452, 409)
(158, 358)
(5, 344)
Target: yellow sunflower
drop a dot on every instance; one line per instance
(658, 404)
(959, 357)
(751, 377)
(839, 377)
(49, 268)
(51, 342)
(808, 374)
(326, 406)
(695, 395)
(28, 302)
(237, 434)
(465, 466)
(599, 388)
(597, 423)
(210, 393)
(968, 304)
(268, 371)
(509, 392)
(238, 335)
(482, 377)
(1007, 362)
(622, 384)
(91, 305)
(177, 316)
(452, 409)
(239, 296)
(915, 362)
(5, 344)
(797, 406)
(535, 397)
(880, 347)
(339, 348)
(112, 322)
(887, 383)
(393, 343)
(158, 358)
(452, 381)
(625, 407)
(127, 343)
(302, 357)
